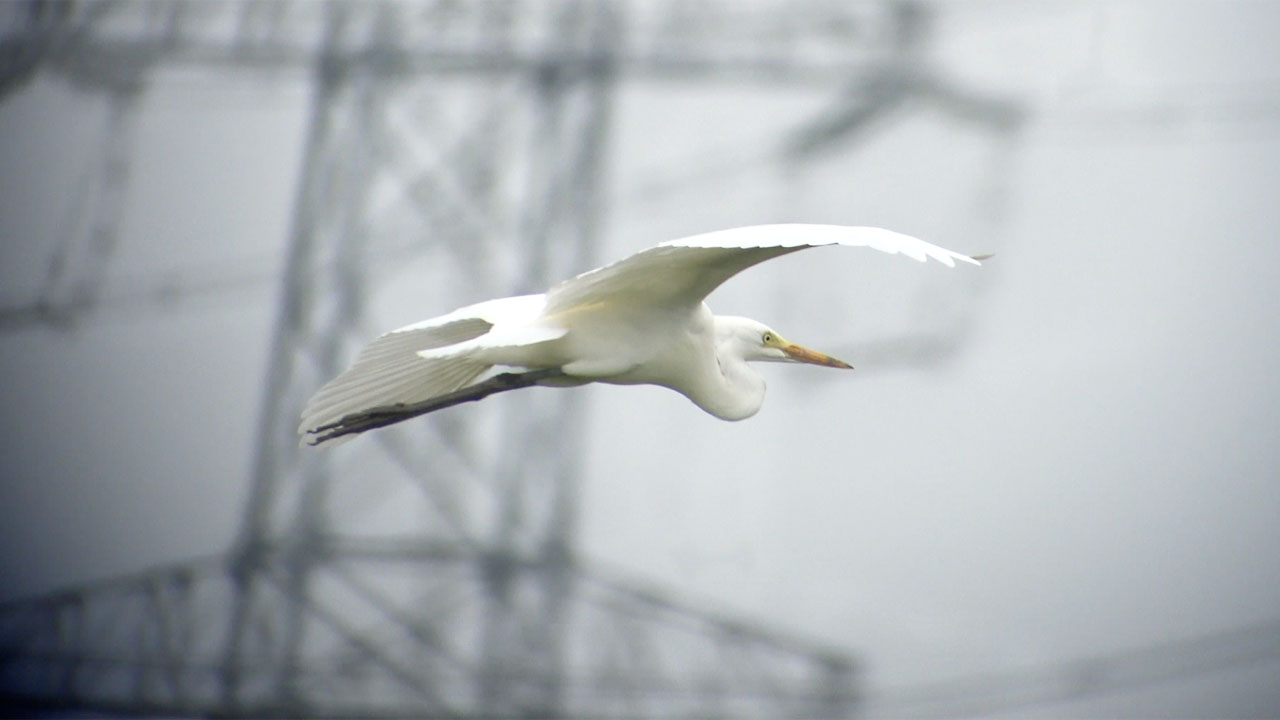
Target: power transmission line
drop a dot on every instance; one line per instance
(1084, 678)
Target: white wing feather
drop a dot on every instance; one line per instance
(390, 371)
(799, 236)
(686, 270)
(423, 360)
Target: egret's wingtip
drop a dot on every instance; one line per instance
(980, 258)
(323, 441)
(320, 437)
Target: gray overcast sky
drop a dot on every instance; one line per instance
(1090, 465)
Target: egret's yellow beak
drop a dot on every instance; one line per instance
(813, 357)
(803, 354)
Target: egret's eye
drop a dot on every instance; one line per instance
(768, 338)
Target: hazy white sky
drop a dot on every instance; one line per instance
(1090, 464)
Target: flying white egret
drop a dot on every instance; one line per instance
(639, 320)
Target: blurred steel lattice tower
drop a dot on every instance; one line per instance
(368, 159)
(426, 570)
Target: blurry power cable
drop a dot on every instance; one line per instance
(127, 293)
(1166, 116)
(232, 279)
(1081, 679)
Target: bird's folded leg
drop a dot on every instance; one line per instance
(384, 415)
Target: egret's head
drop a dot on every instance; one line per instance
(754, 340)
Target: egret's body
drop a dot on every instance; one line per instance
(641, 320)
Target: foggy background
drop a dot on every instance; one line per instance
(1068, 453)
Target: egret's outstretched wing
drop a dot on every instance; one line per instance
(389, 370)
(383, 415)
(419, 362)
(685, 271)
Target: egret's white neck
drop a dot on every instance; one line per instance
(735, 391)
